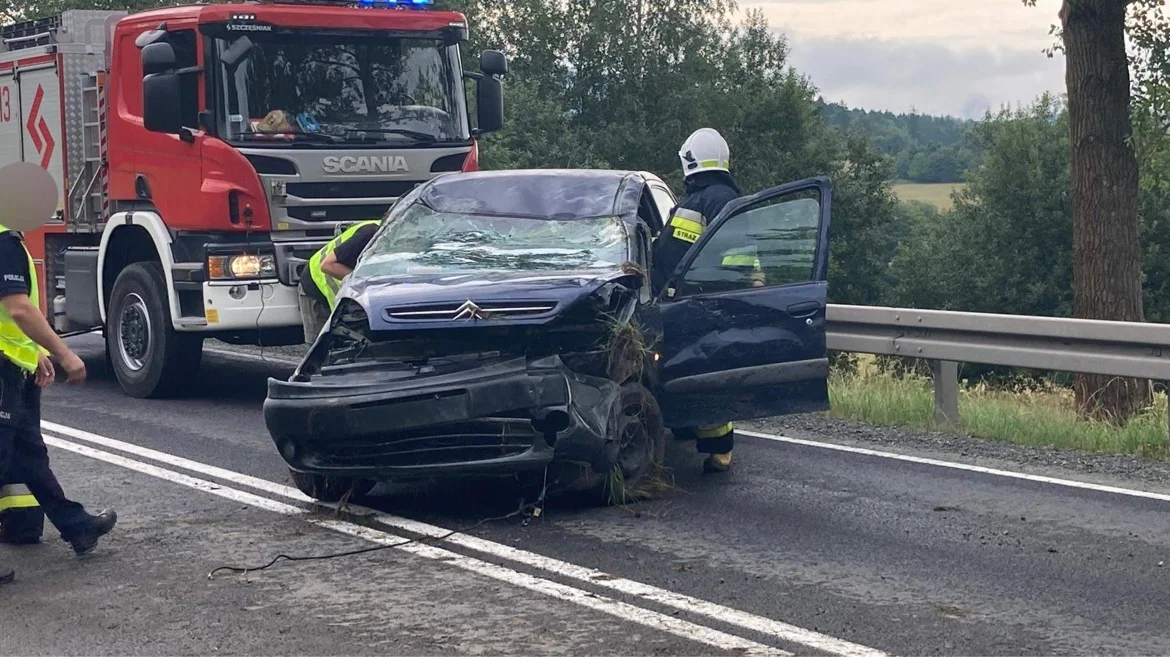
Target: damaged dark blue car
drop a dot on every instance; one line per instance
(504, 324)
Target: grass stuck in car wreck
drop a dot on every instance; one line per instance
(503, 324)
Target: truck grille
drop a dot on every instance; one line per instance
(351, 189)
(467, 310)
(337, 212)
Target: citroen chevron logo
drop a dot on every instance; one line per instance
(470, 311)
(38, 130)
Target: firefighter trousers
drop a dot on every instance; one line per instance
(21, 518)
(711, 439)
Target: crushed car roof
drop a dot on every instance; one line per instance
(562, 194)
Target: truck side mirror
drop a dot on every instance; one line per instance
(236, 52)
(161, 102)
(493, 62)
(157, 57)
(490, 104)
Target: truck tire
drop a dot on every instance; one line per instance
(330, 489)
(149, 357)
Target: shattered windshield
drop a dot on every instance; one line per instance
(342, 89)
(423, 241)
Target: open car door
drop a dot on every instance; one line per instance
(743, 315)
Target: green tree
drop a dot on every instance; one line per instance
(1007, 245)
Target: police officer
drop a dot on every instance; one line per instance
(27, 196)
(706, 161)
(324, 272)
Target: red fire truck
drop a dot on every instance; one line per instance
(205, 152)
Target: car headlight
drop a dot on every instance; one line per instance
(235, 267)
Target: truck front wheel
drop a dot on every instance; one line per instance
(150, 358)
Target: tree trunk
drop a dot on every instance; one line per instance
(1106, 256)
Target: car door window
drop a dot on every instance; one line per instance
(769, 243)
(664, 200)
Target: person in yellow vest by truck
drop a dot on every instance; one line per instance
(22, 521)
(28, 196)
(324, 272)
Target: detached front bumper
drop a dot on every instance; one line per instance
(501, 418)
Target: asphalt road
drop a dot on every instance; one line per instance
(802, 548)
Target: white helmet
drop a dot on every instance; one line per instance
(704, 150)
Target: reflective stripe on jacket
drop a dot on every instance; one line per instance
(326, 284)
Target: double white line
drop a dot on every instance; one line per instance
(780, 633)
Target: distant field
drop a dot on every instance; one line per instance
(937, 194)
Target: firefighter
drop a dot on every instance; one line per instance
(322, 276)
(28, 196)
(706, 162)
(22, 521)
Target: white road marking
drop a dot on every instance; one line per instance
(766, 626)
(1067, 483)
(621, 610)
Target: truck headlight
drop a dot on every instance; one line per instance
(235, 267)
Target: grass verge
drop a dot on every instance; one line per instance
(1041, 415)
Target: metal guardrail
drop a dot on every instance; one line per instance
(945, 338)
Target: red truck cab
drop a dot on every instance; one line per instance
(234, 140)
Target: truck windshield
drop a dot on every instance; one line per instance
(343, 89)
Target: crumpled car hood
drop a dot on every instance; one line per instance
(381, 296)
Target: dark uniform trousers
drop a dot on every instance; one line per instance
(21, 519)
(24, 458)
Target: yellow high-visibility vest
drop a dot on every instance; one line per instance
(14, 344)
(324, 282)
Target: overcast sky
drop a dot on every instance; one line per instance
(956, 57)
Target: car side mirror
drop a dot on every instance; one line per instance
(489, 104)
(157, 57)
(493, 62)
(161, 101)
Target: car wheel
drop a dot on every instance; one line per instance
(149, 357)
(637, 448)
(330, 489)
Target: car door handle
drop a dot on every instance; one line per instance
(804, 309)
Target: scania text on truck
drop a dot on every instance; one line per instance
(205, 152)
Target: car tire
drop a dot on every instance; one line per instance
(330, 489)
(637, 450)
(149, 357)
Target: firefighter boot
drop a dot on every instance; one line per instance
(717, 463)
(101, 525)
(716, 442)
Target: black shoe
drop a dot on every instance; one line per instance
(7, 575)
(103, 522)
